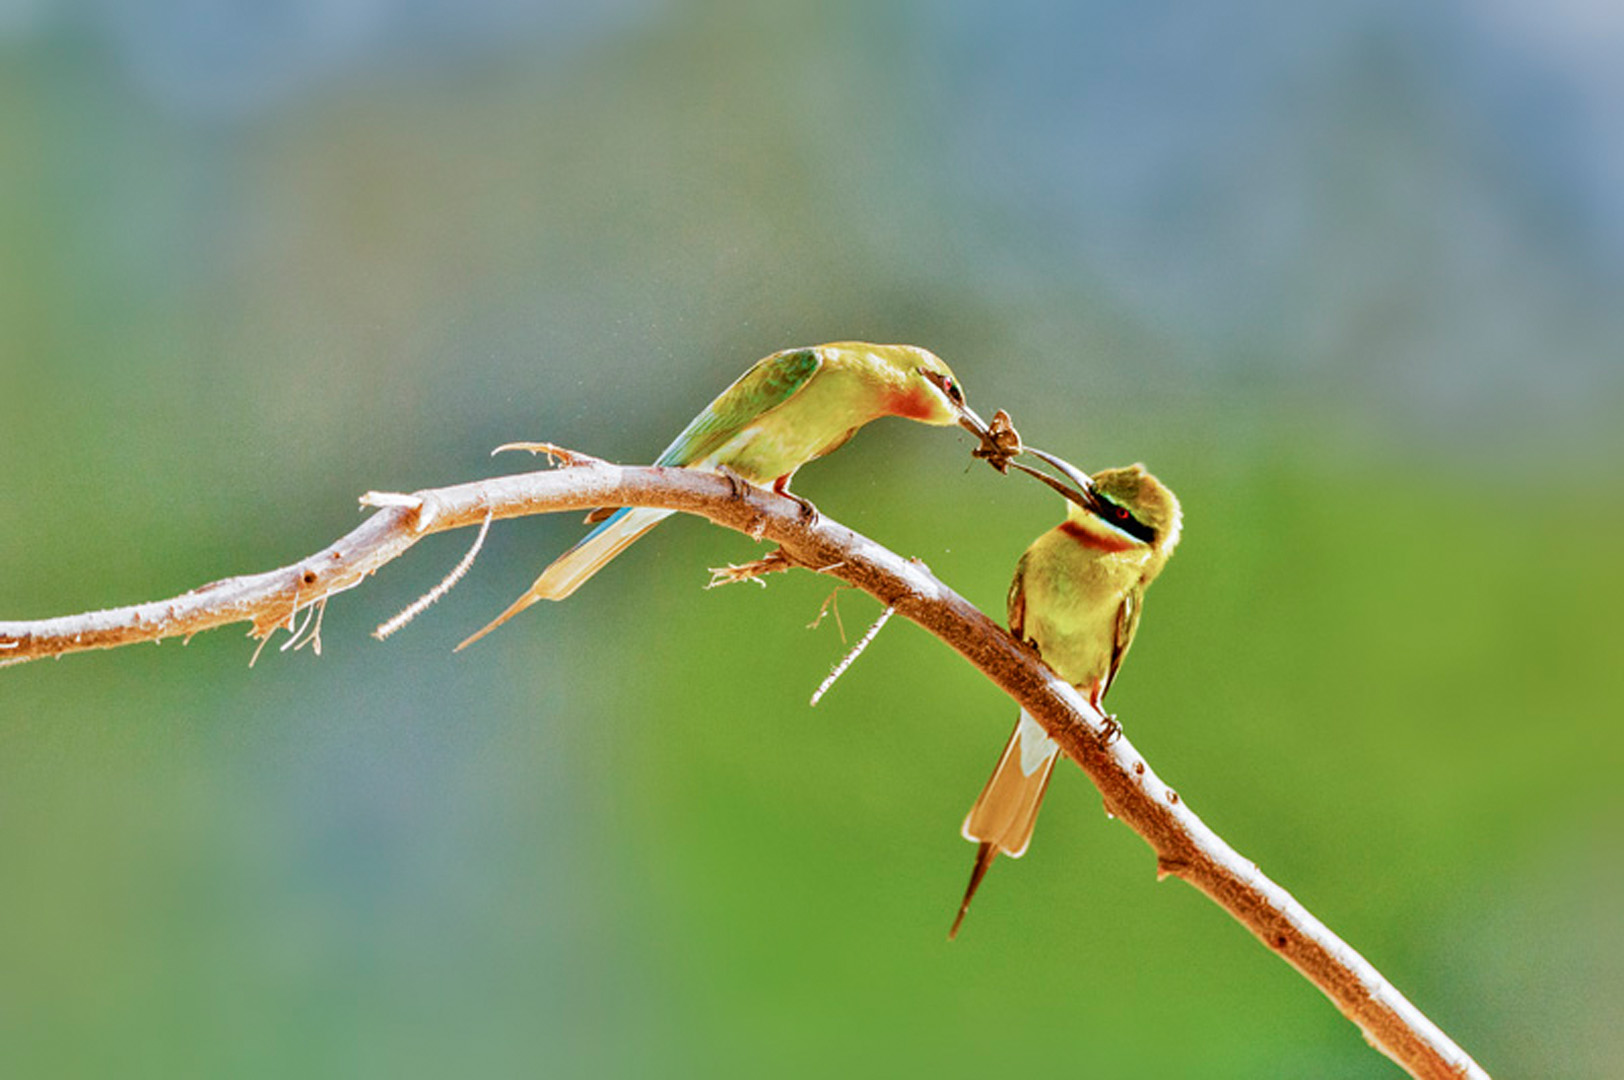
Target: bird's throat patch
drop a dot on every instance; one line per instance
(915, 403)
(1103, 538)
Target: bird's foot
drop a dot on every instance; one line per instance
(740, 486)
(809, 513)
(772, 563)
(1111, 731)
(1026, 643)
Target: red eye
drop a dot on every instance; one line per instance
(1121, 512)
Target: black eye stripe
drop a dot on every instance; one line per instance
(1120, 517)
(945, 384)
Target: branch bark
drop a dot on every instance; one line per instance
(1185, 847)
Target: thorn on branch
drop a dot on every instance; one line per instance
(1167, 867)
(556, 455)
(382, 499)
(420, 509)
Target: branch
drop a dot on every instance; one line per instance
(1185, 847)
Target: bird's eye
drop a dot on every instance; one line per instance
(943, 383)
(1115, 511)
(1122, 518)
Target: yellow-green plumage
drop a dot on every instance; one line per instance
(788, 409)
(1076, 598)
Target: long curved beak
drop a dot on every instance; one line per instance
(969, 421)
(1079, 491)
(1077, 476)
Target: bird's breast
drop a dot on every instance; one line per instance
(1073, 593)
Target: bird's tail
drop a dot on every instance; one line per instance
(572, 569)
(1003, 816)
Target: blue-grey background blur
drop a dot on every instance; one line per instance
(1346, 275)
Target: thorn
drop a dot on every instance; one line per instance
(381, 499)
(555, 454)
(1166, 868)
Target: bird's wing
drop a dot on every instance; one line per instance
(1016, 602)
(1127, 624)
(767, 385)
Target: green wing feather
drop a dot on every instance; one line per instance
(1015, 602)
(770, 383)
(1127, 624)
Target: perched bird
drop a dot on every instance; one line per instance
(790, 408)
(1076, 598)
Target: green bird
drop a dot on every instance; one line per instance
(1076, 599)
(790, 408)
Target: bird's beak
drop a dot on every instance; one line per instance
(969, 421)
(1080, 488)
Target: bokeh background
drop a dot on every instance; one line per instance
(1346, 275)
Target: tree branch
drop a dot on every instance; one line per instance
(1184, 846)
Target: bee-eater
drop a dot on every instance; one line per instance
(790, 408)
(1077, 596)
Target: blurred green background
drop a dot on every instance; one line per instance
(1346, 275)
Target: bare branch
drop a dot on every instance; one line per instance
(1185, 847)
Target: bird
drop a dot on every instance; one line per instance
(1076, 599)
(788, 409)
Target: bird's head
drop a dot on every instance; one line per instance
(1132, 503)
(919, 385)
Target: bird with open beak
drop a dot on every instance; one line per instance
(1076, 599)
